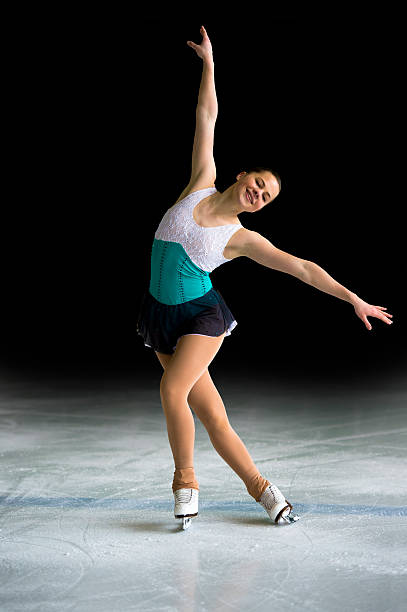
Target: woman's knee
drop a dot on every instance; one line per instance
(206, 402)
(214, 422)
(171, 389)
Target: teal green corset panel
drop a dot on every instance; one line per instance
(174, 276)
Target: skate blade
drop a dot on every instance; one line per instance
(291, 518)
(186, 522)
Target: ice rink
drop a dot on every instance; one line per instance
(87, 508)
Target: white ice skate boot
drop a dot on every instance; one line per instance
(186, 505)
(276, 505)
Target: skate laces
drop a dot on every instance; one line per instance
(271, 496)
(183, 496)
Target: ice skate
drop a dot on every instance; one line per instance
(186, 505)
(277, 507)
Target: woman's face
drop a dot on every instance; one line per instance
(256, 189)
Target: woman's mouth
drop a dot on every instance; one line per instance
(249, 196)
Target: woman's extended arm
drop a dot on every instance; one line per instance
(320, 279)
(257, 247)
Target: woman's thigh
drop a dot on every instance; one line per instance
(191, 358)
(204, 398)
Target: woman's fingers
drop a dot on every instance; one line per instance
(375, 311)
(204, 34)
(386, 314)
(385, 319)
(382, 315)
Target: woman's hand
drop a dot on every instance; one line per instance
(364, 310)
(204, 50)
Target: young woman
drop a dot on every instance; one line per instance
(185, 319)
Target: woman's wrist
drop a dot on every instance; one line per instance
(353, 298)
(208, 61)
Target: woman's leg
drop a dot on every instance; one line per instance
(206, 402)
(191, 358)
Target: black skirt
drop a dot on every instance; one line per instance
(161, 325)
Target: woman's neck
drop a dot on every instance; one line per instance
(225, 206)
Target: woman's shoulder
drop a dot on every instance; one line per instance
(195, 185)
(237, 244)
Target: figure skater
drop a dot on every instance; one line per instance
(184, 319)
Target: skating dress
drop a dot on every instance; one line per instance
(181, 299)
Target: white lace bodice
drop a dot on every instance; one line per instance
(204, 245)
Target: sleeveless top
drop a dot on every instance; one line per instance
(184, 253)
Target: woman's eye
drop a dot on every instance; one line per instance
(258, 185)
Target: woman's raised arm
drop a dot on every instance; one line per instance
(207, 100)
(203, 163)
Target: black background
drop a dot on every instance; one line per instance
(101, 112)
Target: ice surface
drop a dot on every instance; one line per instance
(87, 508)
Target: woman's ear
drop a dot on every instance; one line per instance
(241, 174)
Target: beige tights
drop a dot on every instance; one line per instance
(206, 402)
